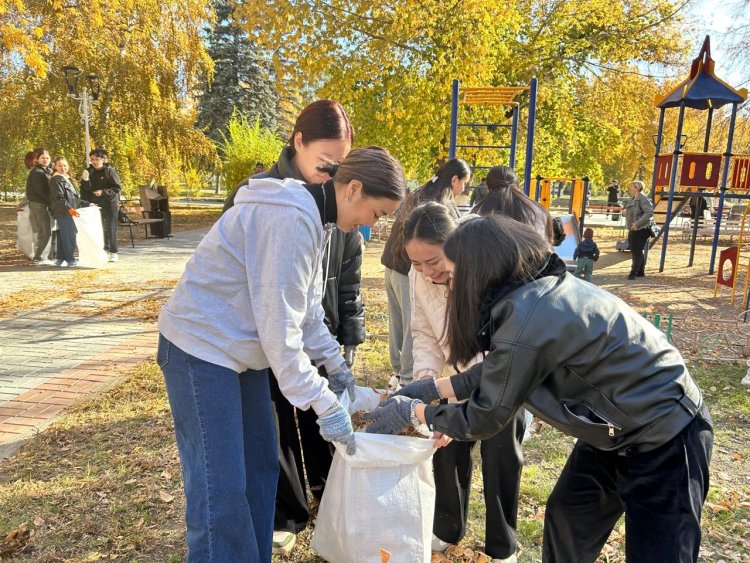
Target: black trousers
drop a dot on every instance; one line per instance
(109, 211)
(610, 203)
(638, 240)
(301, 453)
(661, 493)
(502, 461)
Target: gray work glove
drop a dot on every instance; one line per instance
(393, 416)
(341, 380)
(336, 426)
(350, 355)
(425, 390)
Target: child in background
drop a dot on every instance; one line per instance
(586, 254)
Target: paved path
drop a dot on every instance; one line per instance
(80, 342)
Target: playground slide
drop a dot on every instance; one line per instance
(572, 238)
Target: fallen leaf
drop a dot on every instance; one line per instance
(165, 496)
(39, 522)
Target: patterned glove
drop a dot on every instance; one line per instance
(341, 380)
(393, 416)
(350, 355)
(425, 390)
(336, 426)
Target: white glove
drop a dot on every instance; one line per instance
(350, 355)
(85, 176)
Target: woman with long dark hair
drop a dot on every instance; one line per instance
(250, 300)
(449, 180)
(505, 197)
(425, 232)
(323, 134)
(587, 364)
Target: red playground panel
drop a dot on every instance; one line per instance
(700, 170)
(741, 173)
(663, 170)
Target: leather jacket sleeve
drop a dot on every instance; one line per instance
(115, 186)
(351, 329)
(508, 375)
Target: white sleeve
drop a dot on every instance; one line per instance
(280, 266)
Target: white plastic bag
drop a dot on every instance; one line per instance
(381, 498)
(90, 238)
(25, 240)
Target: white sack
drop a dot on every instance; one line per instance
(382, 497)
(25, 240)
(90, 238)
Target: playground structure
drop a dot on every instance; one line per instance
(577, 202)
(701, 174)
(505, 97)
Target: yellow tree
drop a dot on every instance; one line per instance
(391, 63)
(148, 55)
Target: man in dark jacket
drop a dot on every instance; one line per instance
(345, 318)
(103, 188)
(613, 195)
(37, 193)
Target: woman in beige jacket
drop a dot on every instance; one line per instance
(425, 231)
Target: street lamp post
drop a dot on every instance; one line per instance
(72, 74)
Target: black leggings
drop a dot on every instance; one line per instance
(638, 240)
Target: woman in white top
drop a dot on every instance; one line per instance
(425, 231)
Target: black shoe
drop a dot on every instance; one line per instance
(631, 277)
(640, 275)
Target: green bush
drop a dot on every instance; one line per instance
(243, 145)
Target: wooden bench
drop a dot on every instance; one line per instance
(136, 215)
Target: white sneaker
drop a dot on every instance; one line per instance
(439, 545)
(510, 559)
(45, 263)
(393, 384)
(113, 258)
(283, 542)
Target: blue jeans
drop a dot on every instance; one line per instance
(227, 442)
(66, 237)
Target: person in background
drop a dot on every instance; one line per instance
(64, 201)
(259, 167)
(506, 198)
(590, 366)
(449, 181)
(250, 299)
(103, 188)
(638, 215)
(425, 232)
(30, 160)
(322, 134)
(586, 253)
(613, 196)
(479, 194)
(37, 194)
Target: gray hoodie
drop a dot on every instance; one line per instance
(250, 297)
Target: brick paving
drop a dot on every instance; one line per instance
(54, 355)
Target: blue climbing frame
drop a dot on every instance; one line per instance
(496, 96)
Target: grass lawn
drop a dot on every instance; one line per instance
(103, 481)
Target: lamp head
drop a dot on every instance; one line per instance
(71, 78)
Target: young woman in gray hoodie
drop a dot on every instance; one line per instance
(250, 300)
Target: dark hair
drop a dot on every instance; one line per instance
(430, 222)
(323, 119)
(30, 159)
(100, 152)
(506, 198)
(378, 170)
(259, 164)
(588, 233)
(487, 252)
(438, 188)
(39, 151)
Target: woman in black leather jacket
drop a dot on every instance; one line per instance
(585, 362)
